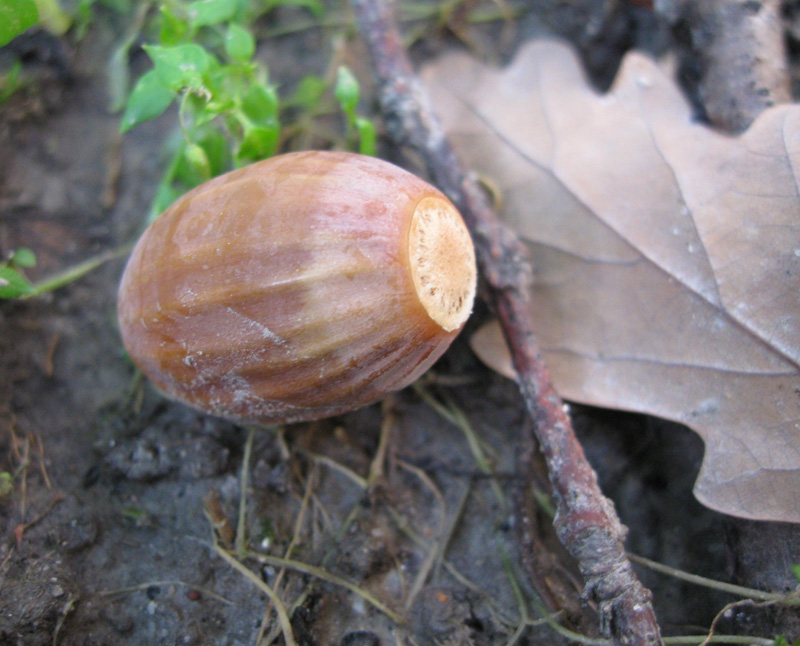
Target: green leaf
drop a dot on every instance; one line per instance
(258, 143)
(197, 159)
(216, 148)
(211, 12)
(13, 284)
(209, 112)
(150, 97)
(117, 77)
(260, 105)
(11, 82)
(239, 43)
(308, 92)
(15, 17)
(166, 194)
(347, 92)
(181, 66)
(795, 568)
(174, 30)
(83, 16)
(218, 81)
(186, 174)
(366, 136)
(52, 17)
(23, 257)
(201, 109)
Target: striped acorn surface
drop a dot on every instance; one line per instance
(297, 288)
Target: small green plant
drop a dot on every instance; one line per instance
(228, 109)
(13, 282)
(16, 16)
(230, 114)
(361, 131)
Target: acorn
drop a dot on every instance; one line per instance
(297, 288)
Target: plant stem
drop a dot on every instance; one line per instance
(75, 272)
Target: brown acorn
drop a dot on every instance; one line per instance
(299, 287)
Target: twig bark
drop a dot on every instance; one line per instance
(586, 521)
(557, 587)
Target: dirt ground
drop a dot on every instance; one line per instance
(107, 531)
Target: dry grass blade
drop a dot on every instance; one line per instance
(739, 590)
(241, 523)
(456, 416)
(280, 609)
(144, 586)
(324, 575)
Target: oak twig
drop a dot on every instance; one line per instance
(586, 521)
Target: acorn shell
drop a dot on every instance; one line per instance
(297, 288)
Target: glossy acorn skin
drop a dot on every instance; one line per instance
(281, 292)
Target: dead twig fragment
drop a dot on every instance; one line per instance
(556, 587)
(50, 353)
(586, 521)
(212, 507)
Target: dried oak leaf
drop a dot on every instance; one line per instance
(666, 255)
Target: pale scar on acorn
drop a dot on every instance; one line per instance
(297, 288)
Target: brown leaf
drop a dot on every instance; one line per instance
(666, 255)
